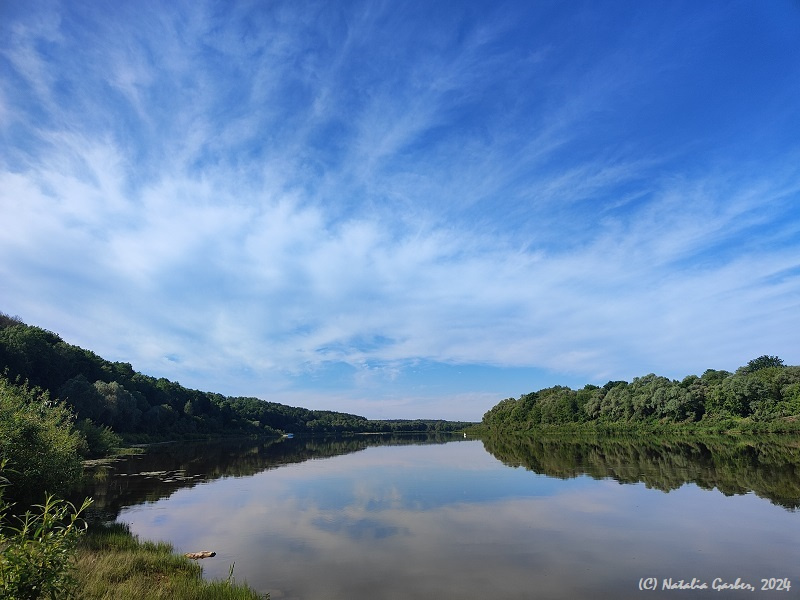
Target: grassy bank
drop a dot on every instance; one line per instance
(112, 564)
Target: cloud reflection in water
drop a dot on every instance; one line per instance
(450, 521)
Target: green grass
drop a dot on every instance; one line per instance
(112, 564)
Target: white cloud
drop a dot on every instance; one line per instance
(256, 207)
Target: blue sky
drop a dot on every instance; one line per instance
(403, 209)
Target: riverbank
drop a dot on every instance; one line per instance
(745, 426)
(113, 564)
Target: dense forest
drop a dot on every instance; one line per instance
(763, 395)
(111, 399)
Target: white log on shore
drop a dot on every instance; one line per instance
(201, 554)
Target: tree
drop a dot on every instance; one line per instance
(121, 404)
(739, 395)
(85, 399)
(8, 320)
(762, 362)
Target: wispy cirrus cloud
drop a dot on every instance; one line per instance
(262, 199)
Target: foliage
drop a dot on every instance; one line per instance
(112, 564)
(763, 362)
(763, 395)
(37, 439)
(37, 551)
(8, 320)
(98, 441)
(112, 397)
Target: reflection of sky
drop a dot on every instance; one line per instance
(452, 522)
(375, 475)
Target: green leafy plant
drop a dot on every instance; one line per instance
(37, 548)
(37, 435)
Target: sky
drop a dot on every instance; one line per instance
(403, 209)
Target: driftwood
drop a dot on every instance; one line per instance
(203, 554)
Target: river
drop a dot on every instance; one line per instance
(385, 518)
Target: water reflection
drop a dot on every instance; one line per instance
(163, 469)
(451, 521)
(769, 467)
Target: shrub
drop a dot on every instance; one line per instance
(99, 440)
(37, 439)
(37, 551)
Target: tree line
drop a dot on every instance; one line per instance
(95, 403)
(764, 393)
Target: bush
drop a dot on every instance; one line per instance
(99, 440)
(37, 440)
(37, 551)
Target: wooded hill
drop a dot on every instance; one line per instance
(762, 395)
(110, 398)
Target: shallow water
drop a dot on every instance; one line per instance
(354, 519)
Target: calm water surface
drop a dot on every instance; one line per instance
(354, 519)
